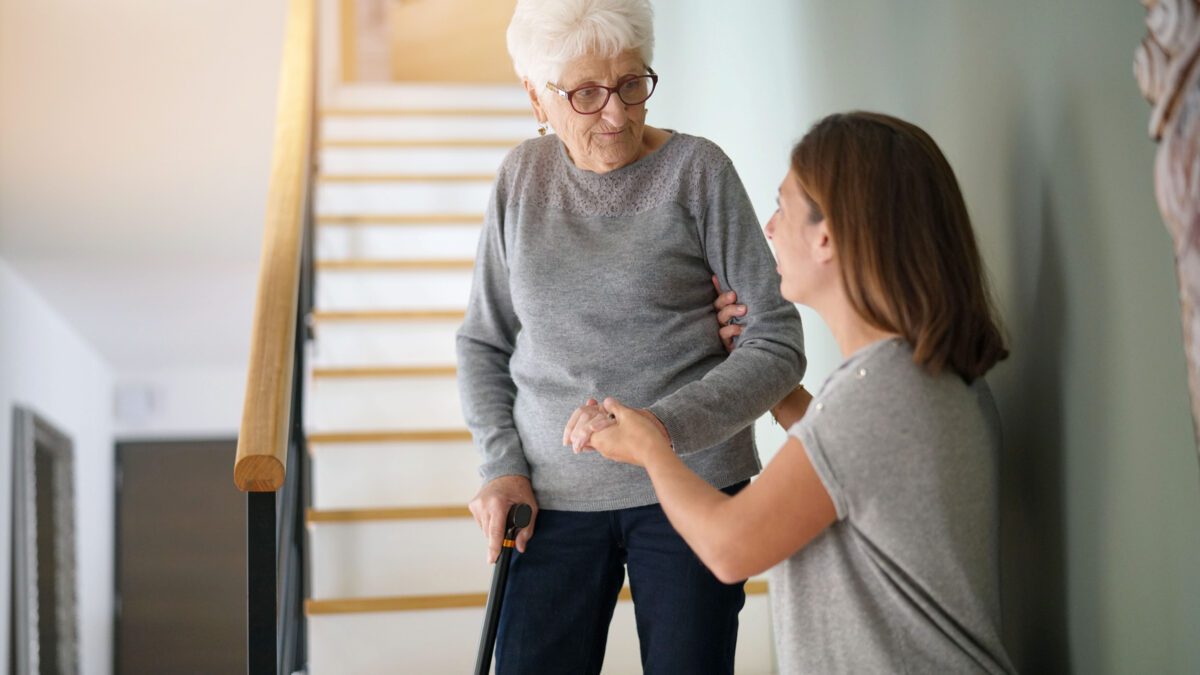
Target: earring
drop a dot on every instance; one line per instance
(542, 129)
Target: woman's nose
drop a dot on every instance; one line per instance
(615, 112)
(771, 225)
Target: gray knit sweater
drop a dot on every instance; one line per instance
(594, 285)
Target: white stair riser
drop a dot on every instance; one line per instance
(401, 403)
(430, 96)
(466, 197)
(398, 557)
(385, 343)
(413, 127)
(449, 160)
(444, 642)
(367, 475)
(384, 558)
(397, 242)
(392, 289)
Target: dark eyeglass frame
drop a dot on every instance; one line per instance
(570, 95)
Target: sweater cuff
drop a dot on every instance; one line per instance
(505, 465)
(676, 428)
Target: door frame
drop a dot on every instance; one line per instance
(33, 434)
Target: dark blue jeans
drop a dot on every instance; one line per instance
(562, 591)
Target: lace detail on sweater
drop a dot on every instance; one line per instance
(539, 175)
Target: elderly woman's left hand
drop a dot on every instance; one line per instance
(631, 436)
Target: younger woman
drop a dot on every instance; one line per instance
(879, 513)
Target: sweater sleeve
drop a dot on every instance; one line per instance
(485, 344)
(769, 359)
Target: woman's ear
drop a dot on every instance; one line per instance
(538, 112)
(822, 243)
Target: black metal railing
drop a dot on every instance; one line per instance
(277, 570)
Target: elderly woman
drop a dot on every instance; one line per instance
(593, 275)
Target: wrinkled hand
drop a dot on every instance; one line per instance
(633, 437)
(727, 310)
(490, 508)
(586, 420)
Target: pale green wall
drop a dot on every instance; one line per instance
(1036, 107)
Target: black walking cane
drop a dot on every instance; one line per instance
(519, 516)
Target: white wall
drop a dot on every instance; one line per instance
(180, 403)
(135, 146)
(1035, 105)
(135, 143)
(47, 367)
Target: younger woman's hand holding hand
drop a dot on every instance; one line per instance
(727, 312)
(633, 437)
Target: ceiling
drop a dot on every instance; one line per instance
(135, 143)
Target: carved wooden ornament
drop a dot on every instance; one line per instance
(1166, 69)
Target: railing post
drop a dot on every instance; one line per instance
(261, 580)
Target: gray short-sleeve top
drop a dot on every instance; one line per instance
(906, 580)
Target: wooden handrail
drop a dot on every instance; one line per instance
(262, 442)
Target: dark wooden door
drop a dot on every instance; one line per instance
(181, 559)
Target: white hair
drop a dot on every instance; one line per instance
(545, 35)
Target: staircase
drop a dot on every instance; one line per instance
(398, 575)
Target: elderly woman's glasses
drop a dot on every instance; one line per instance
(591, 98)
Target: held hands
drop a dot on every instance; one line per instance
(586, 420)
(592, 417)
(624, 434)
(490, 508)
(633, 437)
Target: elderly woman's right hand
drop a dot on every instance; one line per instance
(727, 310)
(490, 508)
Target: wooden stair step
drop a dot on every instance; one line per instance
(384, 371)
(400, 513)
(426, 112)
(392, 143)
(390, 436)
(406, 177)
(395, 265)
(403, 219)
(390, 315)
(410, 603)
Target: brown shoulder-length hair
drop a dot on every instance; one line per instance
(908, 257)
